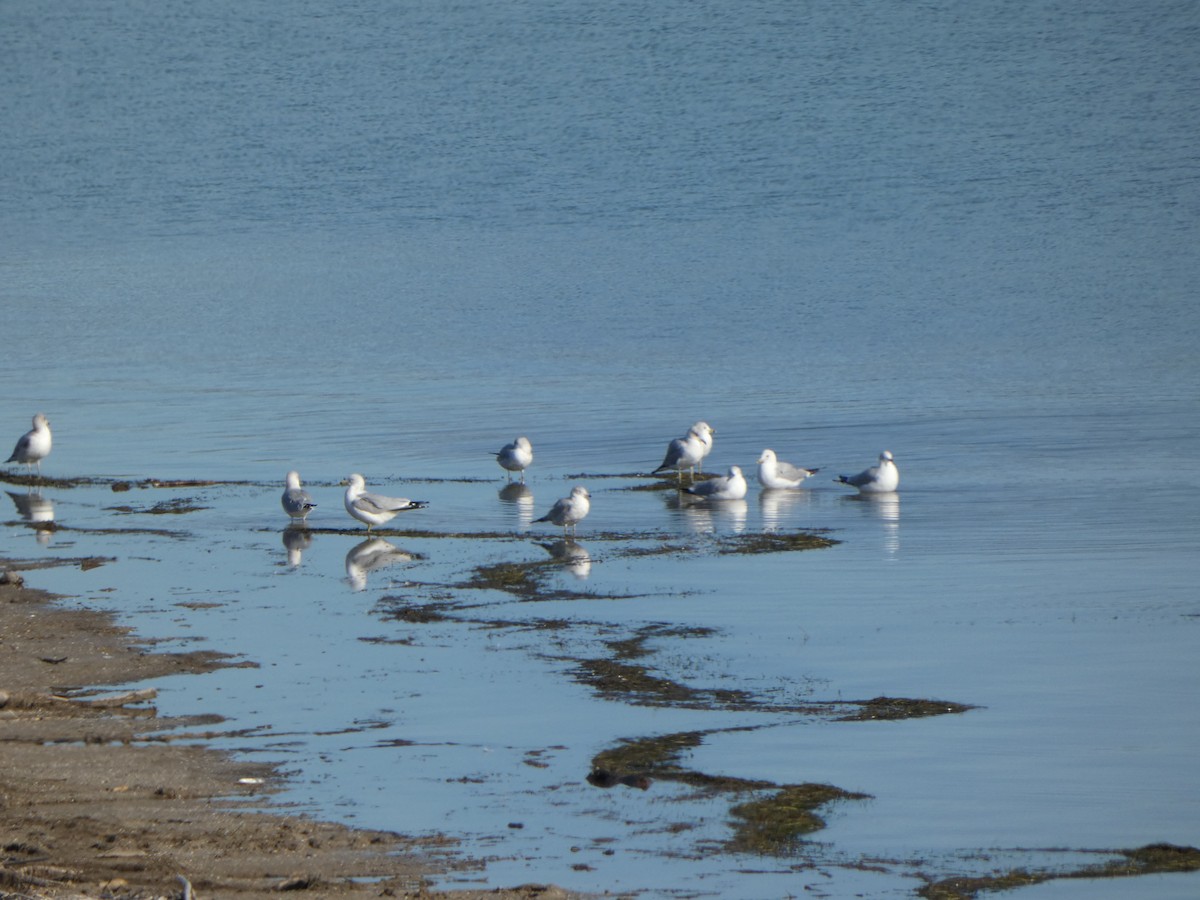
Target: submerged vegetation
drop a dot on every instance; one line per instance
(1153, 859)
(772, 824)
(775, 542)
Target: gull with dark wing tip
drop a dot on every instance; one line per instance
(34, 445)
(776, 474)
(731, 486)
(516, 457)
(374, 509)
(881, 479)
(688, 451)
(568, 511)
(297, 502)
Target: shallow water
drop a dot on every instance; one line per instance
(238, 241)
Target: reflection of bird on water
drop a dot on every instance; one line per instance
(573, 556)
(776, 505)
(375, 509)
(297, 539)
(568, 511)
(297, 502)
(516, 457)
(776, 474)
(369, 556)
(519, 495)
(36, 509)
(688, 451)
(33, 446)
(731, 486)
(881, 479)
(886, 508)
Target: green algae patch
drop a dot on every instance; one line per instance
(771, 825)
(968, 888)
(634, 684)
(1153, 859)
(774, 825)
(775, 542)
(638, 762)
(894, 708)
(523, 579)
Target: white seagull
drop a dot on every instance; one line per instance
(516, 457)
(775, 473)
(705, 432)
(568, 511)
(34, 446)
(881, 479)
(374, 509)
(731, 486)
(297, 502)
(688, 451)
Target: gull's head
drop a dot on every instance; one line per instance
(885, 456)
(293, 479)
(40, 421)
(702, 428)
(523, 443)
(768, 456)
(356, 481)
(580, 491)
(735, 471)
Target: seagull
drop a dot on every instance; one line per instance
(688, 451)
(773, 473)
(34, 446)
(881, 479)
(515, 457)
(374, 509)
(731, 486)
(568, 511)
(297, 502)
(705, 432)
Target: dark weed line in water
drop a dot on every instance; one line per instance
(177, 507)
(1153, 859)
(771, 825)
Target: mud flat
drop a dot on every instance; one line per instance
(102, 797)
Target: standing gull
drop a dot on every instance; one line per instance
(297, 502)
(731, 486)
(775, 473)
(374, 509)
(705, 432)
(881, 479)
(34, 446)
(688, 451)
(568, 511)
(515, 457)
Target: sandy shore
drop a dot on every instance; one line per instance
(102, 797)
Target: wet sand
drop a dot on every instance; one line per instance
(102, 797)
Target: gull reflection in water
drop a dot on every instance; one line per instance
(519, 495)
(778, 504)
(38, 511)
(885, 508)
(701, 516)
(369, 556)
(574, 557)
(296, 538)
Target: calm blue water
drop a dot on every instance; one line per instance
(240, 238)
